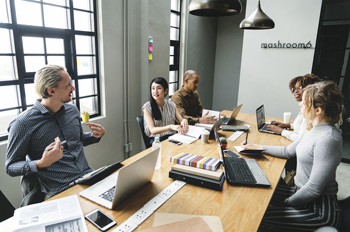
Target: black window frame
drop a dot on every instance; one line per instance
(70, 55)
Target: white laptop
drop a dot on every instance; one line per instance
(120, 185)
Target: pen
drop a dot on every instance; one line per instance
(246, 138)
(51, 147)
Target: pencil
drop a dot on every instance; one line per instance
(51, 147)
(246, 138)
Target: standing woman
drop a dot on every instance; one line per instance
(160, 113)
(312, 202)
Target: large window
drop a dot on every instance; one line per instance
(175, 14)
(38, 32)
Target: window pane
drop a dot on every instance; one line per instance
(83, 4)
(6, 41)
(174, 34)
(84, 45)
(171, 60)
(33, 45)
(83, 21)
(88, 104)
(5, 118)
(58, 60)
(87, 87)
(58, 2)
(172, 88)
(172, 76)
(86, 65)
(55, 17)
(175, 5)
(31, 95)
(8, 69)
(5, 13)
(174, 20)
(28, 13)
(54, 46)
(171, 50)
(10, 94)
(33, 63)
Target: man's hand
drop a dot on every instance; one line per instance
(51, 156)
(96, 129)
(274, 128)
(207, 119)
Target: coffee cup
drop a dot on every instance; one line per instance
(286, 117)
(205, 136)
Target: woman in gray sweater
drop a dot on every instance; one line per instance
(312, 202)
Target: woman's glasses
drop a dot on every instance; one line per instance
(295, 89)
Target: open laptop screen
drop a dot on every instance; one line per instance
(260, 116)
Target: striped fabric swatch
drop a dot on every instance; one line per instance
(196, 161)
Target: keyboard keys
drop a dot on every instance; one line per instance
(109, 194)
(239, 171)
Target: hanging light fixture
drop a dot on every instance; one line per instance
(257, 20)
(215, 7)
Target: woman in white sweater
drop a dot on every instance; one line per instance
(296, 86)
(312, 202)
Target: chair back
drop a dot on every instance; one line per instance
(7, 209)
(344, 214)
(146, 139)
(31, 190)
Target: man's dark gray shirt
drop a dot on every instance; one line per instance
(33, 130)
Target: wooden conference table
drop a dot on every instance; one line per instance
(240, 208)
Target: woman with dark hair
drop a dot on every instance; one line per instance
(312, 202)
(160, 114)
(296, 86)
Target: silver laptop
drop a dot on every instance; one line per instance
(115, 188)
(236, 173)
(260, 118)
(232, 118)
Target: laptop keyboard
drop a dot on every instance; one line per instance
(109, 194)
(238, 171)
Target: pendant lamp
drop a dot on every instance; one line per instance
(214, 8)
(257, 20)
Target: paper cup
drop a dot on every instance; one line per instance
(205, 136)
(286, 117)
(85, 117)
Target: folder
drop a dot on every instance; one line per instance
(198, 180)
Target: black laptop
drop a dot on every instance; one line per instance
(241, 171)
(260, 118)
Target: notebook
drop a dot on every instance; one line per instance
(260, 118)
(232, 118)
(115, 188)
(250, 168)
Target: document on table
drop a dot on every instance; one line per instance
(63, 214)
(192, 135)
(235, 135)
(214, 113)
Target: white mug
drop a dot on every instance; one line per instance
(286, 117)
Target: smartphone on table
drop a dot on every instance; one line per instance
(175, 142)
(100, 220)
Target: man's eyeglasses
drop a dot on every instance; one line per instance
(295, 89)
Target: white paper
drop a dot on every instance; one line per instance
(204, 125)
(63, 214)
(236, 135)
(192, 135)
(214, 113)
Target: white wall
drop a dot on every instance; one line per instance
(265, 73)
